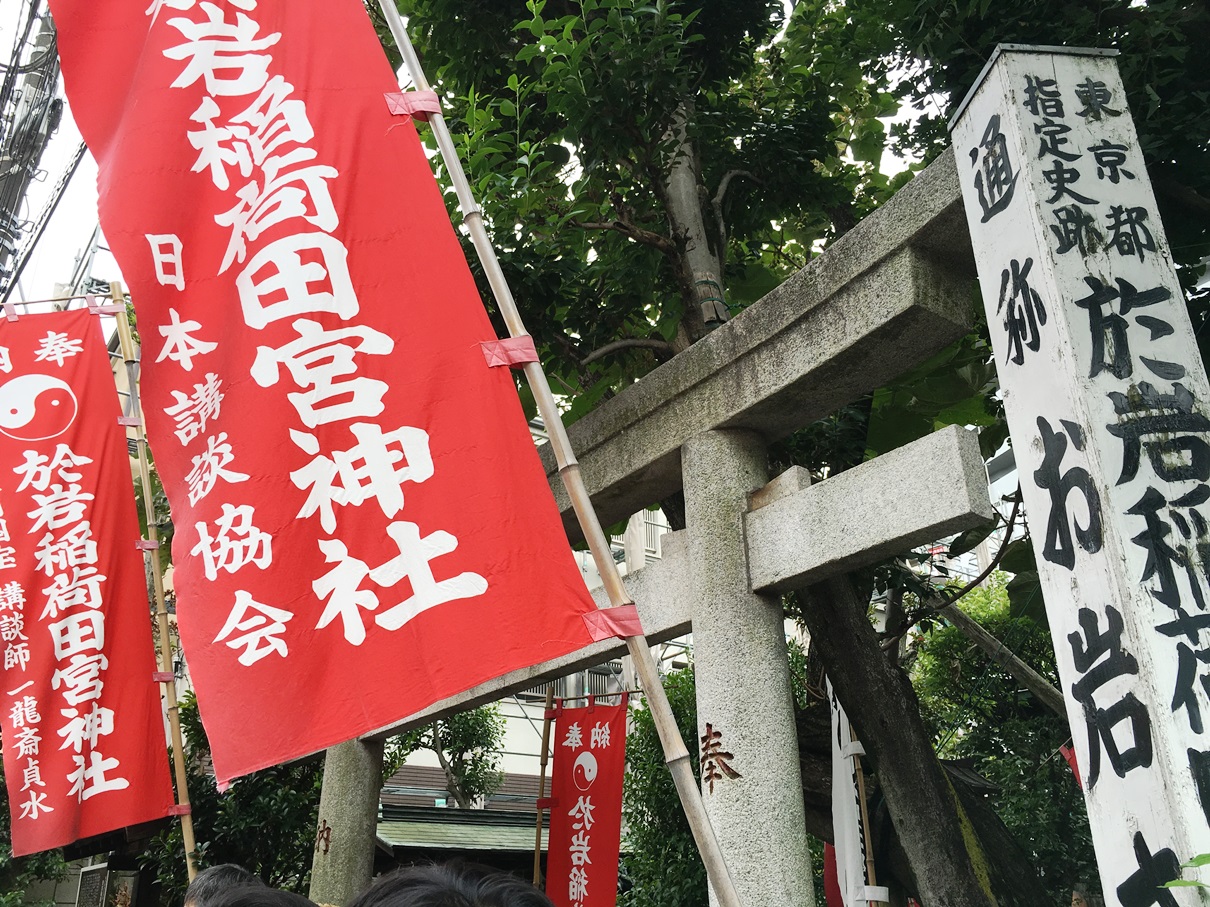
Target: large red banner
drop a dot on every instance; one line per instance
(362, 524)
(80, 716)
(586, 806)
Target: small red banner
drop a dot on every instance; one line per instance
(363, 527)
(586, 806)
(80, 719)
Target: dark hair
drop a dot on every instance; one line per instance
(214, 881)
(260, 896)
(450, 885)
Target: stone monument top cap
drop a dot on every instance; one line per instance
(1024, 49)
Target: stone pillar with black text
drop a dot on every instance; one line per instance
(1109, 409)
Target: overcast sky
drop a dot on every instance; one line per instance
(69, 230)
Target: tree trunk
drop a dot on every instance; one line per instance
(699, 263)
(931, 823)
(451, 777)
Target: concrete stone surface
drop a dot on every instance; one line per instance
(348, 817)
(919, 493)
(884, 297)
(743, 680)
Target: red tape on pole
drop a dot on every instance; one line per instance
(418, 104)
(512, 351)
(610, 623)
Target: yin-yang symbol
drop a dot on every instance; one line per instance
(584, 772)
(36, 407)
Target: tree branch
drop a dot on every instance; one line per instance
(717, 202)
(647, 343)
(631, 231)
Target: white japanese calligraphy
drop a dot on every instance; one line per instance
(193, 412)
(88, 778)
(321, 361)
(224, 55)
(210, 466)
(167, 256)
(300, 274)
(236, 542)
(256, 627)
(287, 193)
(340, 586)
(57, 348)
(415, 563)
(376, 467)
(179, 343)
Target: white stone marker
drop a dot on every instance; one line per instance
(1107, 402)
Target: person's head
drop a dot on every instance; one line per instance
(1086, 894)
(450, 885)
(260, 896)
(214, 881)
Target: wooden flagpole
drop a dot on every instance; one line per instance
(867, 837)
(675, 753)
(126, 339)
(542, 763)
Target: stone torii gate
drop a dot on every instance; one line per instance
(885, 297)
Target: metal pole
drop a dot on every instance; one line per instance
(675, 753)
(153, 553)
(545, 758)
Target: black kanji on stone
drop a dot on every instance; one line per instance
(1109, 328)
(1100, 657)
(1053, 137)
(1042, 97)
(1074, 229)
(1145, 887)
(1130, 233)
(1199, 768)
(995, 177)
(1163, 558)
(1095, 96)
(1109, 159)
(1061, 179)
(1058, 548)
(1023, 310)
(1169, 427)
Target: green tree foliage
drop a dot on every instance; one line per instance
(573, 118)
(467, 747)
(265, 822)
(1161, 42)
(17, 874)
(977, 711)
(661, 861)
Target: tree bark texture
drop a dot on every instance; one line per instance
(699, 263)
(933, 826)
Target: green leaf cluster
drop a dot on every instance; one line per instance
(660, 862)
(18, 874)
(265, 822)
(564, 114)
(976, 710)
(467, 746)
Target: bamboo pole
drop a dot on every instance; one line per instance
(675, 753)
(543, 760)
(867, 839)
(126, 339)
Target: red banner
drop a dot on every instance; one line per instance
(80, 717)
(586, 806)
(362, 524)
